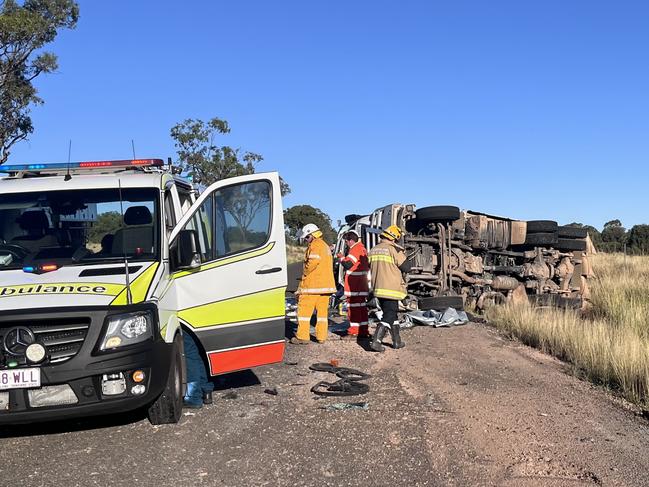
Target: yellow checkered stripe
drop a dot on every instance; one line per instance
(381, 258)
(389, 293)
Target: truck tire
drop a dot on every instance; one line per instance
(440, 303)
(353, 218)
(440, 214)
(542, 239)
(572, 232)
(414, 226)
(169, 405)
(542, 226)
(571, 244)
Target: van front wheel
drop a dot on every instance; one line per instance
(168, 407)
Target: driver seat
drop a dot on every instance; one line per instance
(37, 226)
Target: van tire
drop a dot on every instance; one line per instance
(167, 409)
(542, 226)
(442, 214)
(440, 303)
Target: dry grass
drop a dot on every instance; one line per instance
(294, 253)
(609, 344)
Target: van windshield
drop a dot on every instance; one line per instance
(78, 226)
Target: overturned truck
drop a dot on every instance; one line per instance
(471, 259)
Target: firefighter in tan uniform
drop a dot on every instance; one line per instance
(387, 265)
(316, 287)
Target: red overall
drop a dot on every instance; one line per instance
(356, 290)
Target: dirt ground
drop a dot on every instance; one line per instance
(458, 406)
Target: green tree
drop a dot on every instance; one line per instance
(638, 241)
(24, 30)
(108, 222)
(296, 217)
(613, 236)
(204, 160)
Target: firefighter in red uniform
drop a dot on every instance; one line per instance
(357, 266)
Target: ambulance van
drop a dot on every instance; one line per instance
(104, 265)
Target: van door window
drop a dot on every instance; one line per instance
(170, 214)
(202, 223)
(242, 217)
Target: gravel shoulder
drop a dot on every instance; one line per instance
(457, 406)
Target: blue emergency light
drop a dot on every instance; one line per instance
(13, 168)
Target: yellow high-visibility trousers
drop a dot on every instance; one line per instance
(305, 306)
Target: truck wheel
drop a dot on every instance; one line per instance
(572, 232)
(570, 244)
(414, 226)
(168, 407)
(441, 214)
(542, 226)
(440, 303)
(542, 239)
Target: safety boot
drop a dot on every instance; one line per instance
(396, 336)
(379, 333)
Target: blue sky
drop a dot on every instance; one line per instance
(525, 109)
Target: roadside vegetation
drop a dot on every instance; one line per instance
(294, 253)
(609, 343)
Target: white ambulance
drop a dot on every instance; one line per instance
(105, 264)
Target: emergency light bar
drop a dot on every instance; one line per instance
(57, 166)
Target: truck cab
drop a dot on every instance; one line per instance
(105, 264)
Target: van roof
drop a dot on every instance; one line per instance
(127, 179)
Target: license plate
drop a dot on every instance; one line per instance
(20, 378)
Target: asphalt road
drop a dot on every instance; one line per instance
(458, 406)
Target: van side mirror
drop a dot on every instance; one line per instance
(187, 251)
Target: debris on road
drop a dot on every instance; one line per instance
(230, 395)
(348, 385)
(436, 319)
(271, 391)
(344, 406)
(340, 388)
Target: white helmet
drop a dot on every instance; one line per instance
(307, 230)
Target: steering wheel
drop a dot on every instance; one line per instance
(18, 251)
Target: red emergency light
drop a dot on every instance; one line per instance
(58, 166)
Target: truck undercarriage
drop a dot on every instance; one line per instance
(470, 259)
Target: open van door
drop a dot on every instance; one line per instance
(228, 272)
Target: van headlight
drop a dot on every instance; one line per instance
(127, 329)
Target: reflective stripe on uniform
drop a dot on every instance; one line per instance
(352, 258)
(357, 293)
(389, 293)
(314, 256)
(356, 273)
(357, 305)
(322, 290)
(381, 258)
(323, 319)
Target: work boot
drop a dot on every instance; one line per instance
(396, 336)
(379, 333)
(297, 341)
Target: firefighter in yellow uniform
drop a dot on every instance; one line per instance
(316, 287)
(387, 265)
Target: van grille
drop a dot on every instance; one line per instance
(62, 338)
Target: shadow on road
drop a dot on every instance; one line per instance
(72, 425)
(236, 380)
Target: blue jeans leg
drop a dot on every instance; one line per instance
(197, 382)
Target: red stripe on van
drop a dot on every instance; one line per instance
(245, 358)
